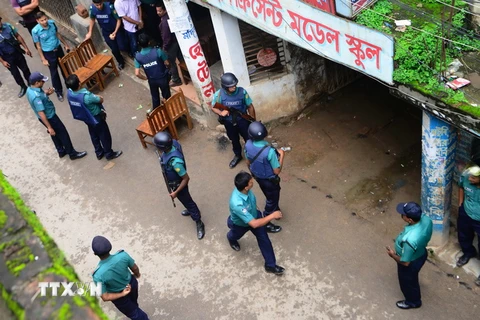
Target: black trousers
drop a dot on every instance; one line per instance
(161, 84)
(30, 26)
(264, 243)
(173, 53)
(61, 139)
(101, 137)
(408, 279)
(466, 228)
(235, 131)
(54, 67)
(271, 190)
(17, 62)
(187, 201)
(128, 305)
(113, 44)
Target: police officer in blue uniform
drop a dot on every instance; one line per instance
(88, 108)
(173, 163)
(265, 164)
(47, 40)
(45, 112)
(11, 54)
(119, 285)
(154, 62)
(245, 217)
(237, 98)
(110, 24)
(410, 252)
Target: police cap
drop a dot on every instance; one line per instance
(101, 245)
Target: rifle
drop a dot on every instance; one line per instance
(232, 111)
(169, 189)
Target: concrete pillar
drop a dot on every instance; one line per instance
(230, 45)
(181, 23)
(438, 161)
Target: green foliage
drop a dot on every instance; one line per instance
(12, 304)
(60, 265)
(64, 313)
(418, 55)
(3, 219)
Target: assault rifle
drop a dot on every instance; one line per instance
(169, 188)
(233, 111)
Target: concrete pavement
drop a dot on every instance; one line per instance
(336, 267)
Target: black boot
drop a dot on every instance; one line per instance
(22, 92)
(200, 230)
(236, 159)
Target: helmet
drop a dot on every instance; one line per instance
(163, 140)
(257, 131)
(228, 80)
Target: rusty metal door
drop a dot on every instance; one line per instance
(59, 10)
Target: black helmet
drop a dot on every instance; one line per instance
(257, 131)
(228, 80)
(163, 140)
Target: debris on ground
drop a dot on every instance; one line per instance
(134, 117)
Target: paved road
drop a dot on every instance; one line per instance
(336, 265)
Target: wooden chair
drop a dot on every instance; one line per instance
(71, 64)
(96, 61)
(177, 107)
(183, 72)
(156, 121)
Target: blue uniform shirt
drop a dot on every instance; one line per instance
(271, 157)
(39, 101)
(243, 208)
(160, 53)
(6, 33)
(471, 197)
(113, 272)
(92, 102)
(47, 37)
(410, 244)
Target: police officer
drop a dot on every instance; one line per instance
(265, 163)
(45, 112)
(88, 108)
(154, 62)
(114, 271)
(411, 252)
(468, 222)
(47, 40)
(245, 217)
(237, 98)
(173, 163)
(110, 23)
(11, 54)
(27, 9)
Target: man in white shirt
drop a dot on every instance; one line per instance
(131, 14)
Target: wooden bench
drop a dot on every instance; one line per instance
(71, 64)
(177, 107)
(156, 121)
(96, 61)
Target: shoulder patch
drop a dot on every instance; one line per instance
(244, 210)
(177, 169)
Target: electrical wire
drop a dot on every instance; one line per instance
(459, 9)
(471, 3)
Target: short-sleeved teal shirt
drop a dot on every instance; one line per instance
(47, 37)
(243, 207)
(160, 53)
(92, 102)
(411, 243)
(113, 272)
(39, 101)
(471, 198)
(177, 164)
(271, 157)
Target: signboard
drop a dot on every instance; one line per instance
(350, 8)
(324, 5)
(337, 39)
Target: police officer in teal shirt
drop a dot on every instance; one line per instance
(244, 217)
(45, 112)
(96, 118)
(411, 252)
(468, 222)
(114, 271)
(47, 40)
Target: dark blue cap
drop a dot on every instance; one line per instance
(37, 76)
(101, 245)
(410, 209)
